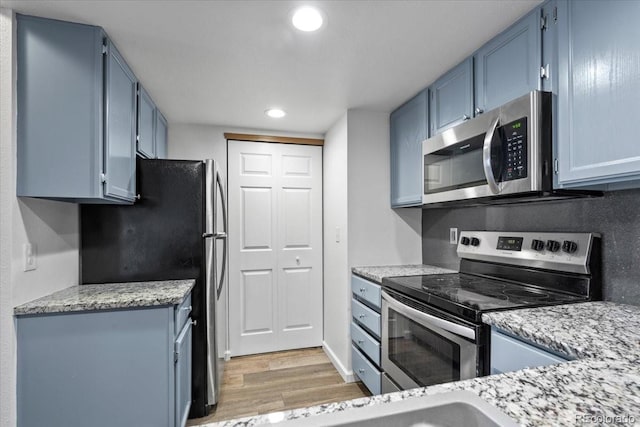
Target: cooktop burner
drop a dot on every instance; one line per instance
(469, 296)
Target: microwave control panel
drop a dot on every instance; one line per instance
(514, 136)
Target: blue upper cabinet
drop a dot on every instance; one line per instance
(152, 128)
(510, 64)
(76, 114)
(598, 93)
(161, 135)
(408, 128)
(120, 127)
(146, 124)
(451, 98)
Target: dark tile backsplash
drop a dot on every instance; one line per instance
(616, 216)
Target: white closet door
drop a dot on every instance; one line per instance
(275, 242)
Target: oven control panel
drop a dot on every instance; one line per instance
(567, 252)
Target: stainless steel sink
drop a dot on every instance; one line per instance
(456, 409)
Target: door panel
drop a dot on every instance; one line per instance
(296, 285)
(275, 205)
(256, 218)
(257, 309)
(296, 206)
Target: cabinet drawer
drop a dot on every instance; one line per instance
(510, 354)
(366, 343)
(366, 371)
(182, 312)
(366, 290)
(367, 317)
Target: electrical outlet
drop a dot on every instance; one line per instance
(29, 257)
(453, 236)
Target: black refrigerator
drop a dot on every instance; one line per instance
(176, 229)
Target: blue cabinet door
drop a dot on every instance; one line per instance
(599, 92)
(161, 135)
(408, 128)
(60, 101)
(120, 127)
(146, 124)
(451, 98)
(183, 374)
(509, 65)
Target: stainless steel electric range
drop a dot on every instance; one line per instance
(432, 330)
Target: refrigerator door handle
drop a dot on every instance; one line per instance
(223, 234)
(210, 291)
(210, 197)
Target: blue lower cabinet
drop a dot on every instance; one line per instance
(366, 317)
(365, 332)
(511, 354)
(365, 343)
(104, 368)
(366, 371)
(367, 291)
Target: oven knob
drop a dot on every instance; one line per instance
(465, 241)
(475, 241)
(569, 247)
(553, 245)
(537, 245)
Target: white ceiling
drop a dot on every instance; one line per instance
(225, 62)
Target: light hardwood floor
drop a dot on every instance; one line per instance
(264, 383)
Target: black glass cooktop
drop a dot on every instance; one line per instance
(469, 296)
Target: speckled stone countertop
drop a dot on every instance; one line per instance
(379, 272)
(109, 296)
(601, 387)
(601, 330)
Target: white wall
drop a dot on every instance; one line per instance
(356, 188)
(51, 226)
(336, 263)
(378, 235)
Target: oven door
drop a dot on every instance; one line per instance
(420, 349)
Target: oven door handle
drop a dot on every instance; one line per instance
(486, 156)
(454, 328)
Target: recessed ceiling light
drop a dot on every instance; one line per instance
(275, 113)
(307, 19)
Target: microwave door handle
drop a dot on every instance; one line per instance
(486, 157)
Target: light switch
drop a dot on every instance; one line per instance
(29, 256)
(453, 236)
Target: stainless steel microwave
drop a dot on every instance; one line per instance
(503, 154)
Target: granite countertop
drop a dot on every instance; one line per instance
(601, 387)
(109, 296)
(377, 273)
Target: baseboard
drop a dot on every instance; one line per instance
(347, 375)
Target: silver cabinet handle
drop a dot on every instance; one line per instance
(186, 308)
(361, 371)
(465, 117)
(360, 341)
(362, 316)
(479, 110)
(362, 290)
(486, 157)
